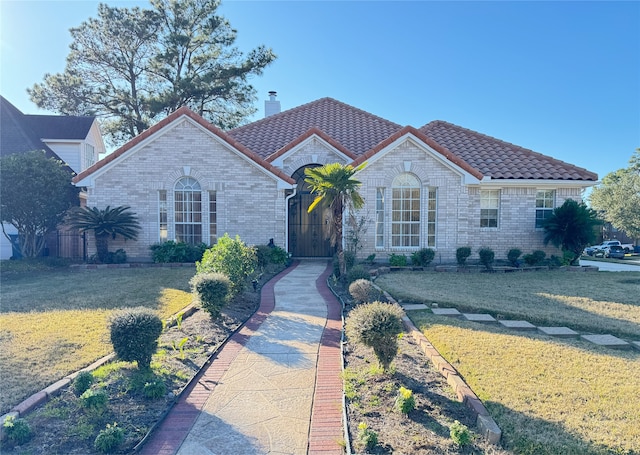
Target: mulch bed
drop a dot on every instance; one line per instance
(63, 427)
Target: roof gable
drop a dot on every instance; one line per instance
(60, 127)
(16, 135)
(499, 159)
(355, 130)
(182, 112)
(413, 132)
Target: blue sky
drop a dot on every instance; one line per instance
(561, 78)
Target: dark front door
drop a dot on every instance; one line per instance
(308, 232)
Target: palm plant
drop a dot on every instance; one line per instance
(334, 184)
(105, 223)
(570, 226)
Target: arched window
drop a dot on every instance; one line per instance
(405, 211)
(188, 210)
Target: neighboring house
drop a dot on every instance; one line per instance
(439, 186)
(76, 141)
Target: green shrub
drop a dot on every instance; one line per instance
(82, 382)
(271, 255)
(397, 260)
(405, 401)
(232, 258)
(279, 255)
(423, 257)
(460, 434)
(462, 254)
(487, 256)
(155, 389)
(367, 437)
(95, 401)
(357, 272)
(134, 335)
(513, 255)
(364, 291)
(349, 262)
(109, 439)
(17, 431)
(376, 325)
(535, 258)
(177, 252)
(212, 290)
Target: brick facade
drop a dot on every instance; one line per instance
(249, 202)
(252, 201)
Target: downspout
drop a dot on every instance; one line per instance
(286, 221)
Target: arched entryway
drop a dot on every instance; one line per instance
(308, 232)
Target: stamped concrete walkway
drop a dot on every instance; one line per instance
(275, 387)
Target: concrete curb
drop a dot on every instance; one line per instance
(485, 423)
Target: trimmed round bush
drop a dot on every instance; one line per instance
(357, 272)
(364, 291)
(423, 257)
(513, 255)
(212, 290)
(376, 325)
(134, 335)
(462, 254)
(535, 258)
(487, 256)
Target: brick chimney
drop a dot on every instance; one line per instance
(272, 106)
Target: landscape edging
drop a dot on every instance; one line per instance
(484, 422)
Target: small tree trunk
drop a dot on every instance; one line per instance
(102, 247)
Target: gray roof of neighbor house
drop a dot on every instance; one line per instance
(360, 134)
(16, 135)
(69, 127)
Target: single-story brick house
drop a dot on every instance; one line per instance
(439, 186)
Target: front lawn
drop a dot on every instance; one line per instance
(599, 302)
(54, 322)
(549, 396)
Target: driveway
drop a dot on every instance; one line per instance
(632, 266)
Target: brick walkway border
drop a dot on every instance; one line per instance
(326, 431)
(171, 433)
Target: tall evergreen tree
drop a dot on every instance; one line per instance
(132, 66)
(618, 197)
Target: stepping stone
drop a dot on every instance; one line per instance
(518, 325)
(561, 332)
(446, 312)
(414, 306)
(636, 344)
(608, 341)
(479, 317)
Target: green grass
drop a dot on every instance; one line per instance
(53, 321)
(549, 396)
(599, 302)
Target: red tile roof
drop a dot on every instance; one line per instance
(499, 159)
(360, 135)
(355, 129)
